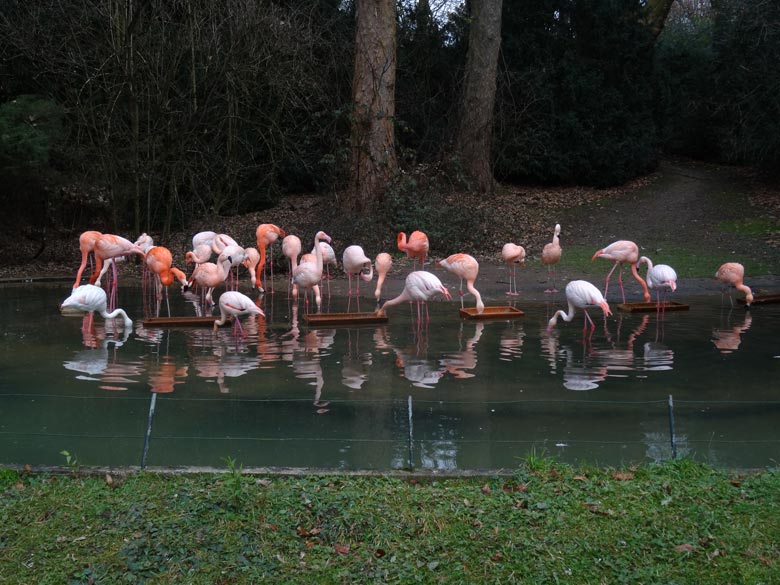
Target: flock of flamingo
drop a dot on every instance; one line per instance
(308, 270)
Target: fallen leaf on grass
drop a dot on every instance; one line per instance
(307, 533)
(341, 549)
(623, 476)
(685, 547)
(486, 489)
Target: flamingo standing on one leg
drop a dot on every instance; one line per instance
(512, 255)
(291, 249)
(659, 277)
(87, 246)
(581, 294)
(620, 252)
(308, 273)
(733, 273)
(466, 268)
(383, 263)
(357, 264)
(420, 287)
(267, 234)
(235, 304)
(415, 248)
(89, 298)
(551, 255)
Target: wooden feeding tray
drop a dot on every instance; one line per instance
(506, 312)
(179, 321)
(762, 299)
(648, 307)
(343, 319)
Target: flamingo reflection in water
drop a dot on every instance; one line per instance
(728, 339)
(355, 364)
(461, 363)
(511, 342)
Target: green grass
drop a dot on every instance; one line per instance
(757, 227)
(678, 522)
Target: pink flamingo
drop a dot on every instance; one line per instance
(291, 249)
(415, 248)
(383, 263)
(87, 246)
(551, 255)
(89, 298)
(420, 287)
(466, 268)
(210, 275)
(250, 262)
(199, 254)
(620, 252)
(220, 242)
(733, 273)
(357, 264)
(512, 255)
(581, 294)
(201, 238)
(235, 304)
(237, 255)
(267, 234)
(308, 274)
(309, 257)
(659, 277)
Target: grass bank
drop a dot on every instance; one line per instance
(678, 522)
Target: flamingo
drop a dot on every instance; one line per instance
(328, 257)
(382, 264)
(89, 298)
(466, 268)
(199, 254)
(201, 238)
(733, 273)
(221, 241)
(420, 287)
(581, 294)
(87, 246)
(267, 234)
(551, 255)
(235, 304)
(309, 273)
(357, 264)
(210, 275)
(237, 255)
(291, 249)
(160, 261)
(512, 255)
(110, 246)
(660, 276)
(251, 260)
(621, 252)
(416, 247)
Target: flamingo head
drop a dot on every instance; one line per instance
(605, 307)
(322, 236)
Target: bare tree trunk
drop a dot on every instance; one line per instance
(475, 124)
(373, 93)
(656, 12)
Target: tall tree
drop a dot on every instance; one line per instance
(475, 123)
(373, 93)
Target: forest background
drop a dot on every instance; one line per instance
(146, 115)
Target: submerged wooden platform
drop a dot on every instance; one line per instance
(505, 312)
(343, 318)
(762, 299)
(179, 321)
(648, 307)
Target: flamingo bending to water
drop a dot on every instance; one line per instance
(466, 268)
(581, 294)
(512, 255)
(383, 263)
(621, 252)
(420, 287)
(235, 304)
(89, 298)
(733, 273)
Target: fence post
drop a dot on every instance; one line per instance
(411, 436)
(673, 438)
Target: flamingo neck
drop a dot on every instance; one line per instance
(641, 281)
